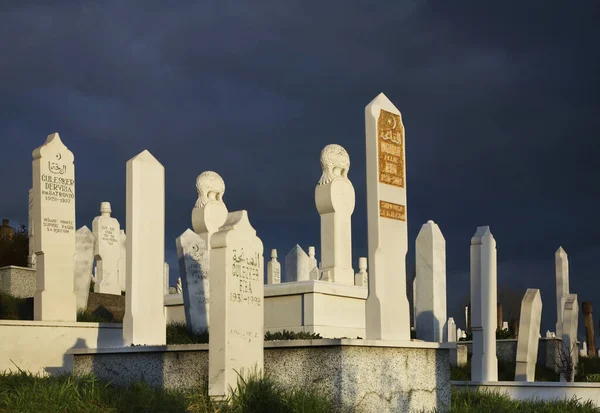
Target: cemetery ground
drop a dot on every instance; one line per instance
(24, 393)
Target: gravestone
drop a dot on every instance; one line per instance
(569, 332)
(335, 199)
(505, 325)
(297, 265)
(588, 321)
(107, 251)
(451, 328)
(122, 263)
(273, 269)
(562, 286)
(54, 228)
(584, 350)
(387, 309)
(30, 233)
(484, 296)
(84, 261)
(179, 286)
(313, 273)
(529, 337)
(430, 303)
(361, 278)
(193, 267)
(144, 321)
(193, 249)
(237, 305)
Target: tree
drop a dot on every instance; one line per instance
(15, 251)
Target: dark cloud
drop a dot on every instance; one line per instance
(499, 102)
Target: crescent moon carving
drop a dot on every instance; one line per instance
(58, 156)
(195, 248)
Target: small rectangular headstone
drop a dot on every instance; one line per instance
(274, 269)
(107, 251)
(84, 261)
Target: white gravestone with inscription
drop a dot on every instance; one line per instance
(193, 267)
(236, 344)
(313, 273)
(144, 321)
(273, 269)
(54, 228)
(335, 199)
(208, 215)
(451, 330)
(569, 332)
(562, 286)
(31, 255)
(297, 265)
(484, 296)
(107, 251)
(529, 335)
(430, 281)
(361, 278)
(122, 264)
(84, 261)
(387, 309)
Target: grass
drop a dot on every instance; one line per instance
(12, 308)
(25, 393)
(485, 402)
(177, 333)
(290, 335)
(506, 372)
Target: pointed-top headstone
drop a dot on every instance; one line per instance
(297, 265)
(273, 269)
(387, 309)
(562, 286)
(107, 251)
(84, 261)
(529, 335)
(53, 198)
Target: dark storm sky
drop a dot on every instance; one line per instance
(500, 104)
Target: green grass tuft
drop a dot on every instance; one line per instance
(12, 308)
(290, 335)
(177, 333)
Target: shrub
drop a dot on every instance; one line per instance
(290, 335)
(178, 333)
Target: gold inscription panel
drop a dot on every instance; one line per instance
(392, 211)
(390, 137)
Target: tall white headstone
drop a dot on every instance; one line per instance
(107, 251)
(144, 321)
(84, 261)
(30, 233)
(529, 335)
(459, 334)
(361, 278)
(335, 199)
(562, 286)
(192, 253)
(179, 286)
(484, 298)
(122, 263)
(569, 331)
(208, 215)
(451, 330)
(166, 278)
(313, 273)
(584, 350)
(237, 304)
(297, 265)
(387, 309)
(273, 269)
(54, 228)
(431, 284)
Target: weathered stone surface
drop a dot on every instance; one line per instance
(110, 306)
(387, 309)
(528, 342)
(107, 251)
(273, 269)
(297, 265)
(54, 228)
(562, 286)
(122, 263)
(569, 332)
(17, 281)
(314, 273)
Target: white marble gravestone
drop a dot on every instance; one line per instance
(30, 233)
(562, 286)
(54, 228)
(84, 261)
(297, 265)
(430, 303)
(166, 278)
(179, 286)
(529, 335)
(361, 278)
(144, 321)
(451, 329)
(273, 269)
(192, 253)
(237, 305)
(193, 249)
(505, 325)
(387, 309)
(459, 334)
(569, 331)
(335, 199)
(122, 263)
(313, 266)
(107, 251)
(584, 350)
(484, 298)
